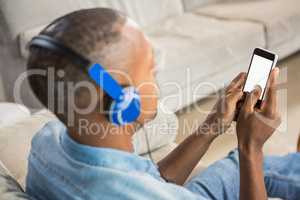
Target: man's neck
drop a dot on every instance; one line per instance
(104, 134)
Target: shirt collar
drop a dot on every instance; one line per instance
(106, 157)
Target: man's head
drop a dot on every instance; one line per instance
(103, 36)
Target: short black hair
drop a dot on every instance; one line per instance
(86, 32)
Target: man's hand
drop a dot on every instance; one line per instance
(224, 111)
(255, 126)
(177, 166)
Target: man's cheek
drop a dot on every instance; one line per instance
(149, 104)
(148, 107)
(149, 98)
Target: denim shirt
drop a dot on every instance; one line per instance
(60, 168)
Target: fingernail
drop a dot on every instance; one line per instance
(257, 87)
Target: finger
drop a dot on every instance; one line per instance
(238, 81)
(270, 103)
(251, 99)
(236, 95)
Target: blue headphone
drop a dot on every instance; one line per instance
(126, 102)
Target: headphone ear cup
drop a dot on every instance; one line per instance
(127, 109)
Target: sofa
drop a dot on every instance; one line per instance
(201, 44)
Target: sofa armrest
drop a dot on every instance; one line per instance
(9, 187)
(11, 113)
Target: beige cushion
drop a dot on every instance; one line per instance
(280, 18)
(160, 153)
(190, 5)
(164, 151)
(160, 132)
(22, 15)
(196, 49)
(25, 38)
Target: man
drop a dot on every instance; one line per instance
(67, 162)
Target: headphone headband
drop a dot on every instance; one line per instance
(95, 71)
(54, 45)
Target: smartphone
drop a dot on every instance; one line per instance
(261, 65)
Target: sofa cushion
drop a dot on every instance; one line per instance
(9, 187)
(22, 15)
(190, 5)
(197, 48)
(160, 132)
(281, 19)
(25, 37)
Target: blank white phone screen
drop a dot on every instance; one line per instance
(258, 74)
